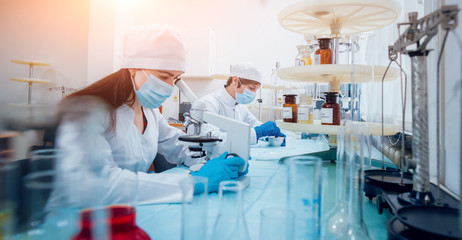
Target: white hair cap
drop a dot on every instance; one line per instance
(154, 46)
(245, 70)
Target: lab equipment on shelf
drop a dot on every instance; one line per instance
(290, 108)
(304, 55)
(64, 90)
(324, 54)
(230, 222)
(306, 109)
(330, 110)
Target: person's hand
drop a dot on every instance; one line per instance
(220, 169)
(267, 129)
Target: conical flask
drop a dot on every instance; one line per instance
(230, 223)
(335, 221)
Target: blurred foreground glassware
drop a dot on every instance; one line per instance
(230, 223)
(354, 162)
(194, 209)
(276, 224)
(121, 223)
(46, 221)
(9, 193)
(304, 195)
(104, 188)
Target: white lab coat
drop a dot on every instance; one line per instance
(222, 103)
(81, 134)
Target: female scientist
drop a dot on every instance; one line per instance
(153, 57)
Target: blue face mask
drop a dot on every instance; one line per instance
(154, 92)
(245, 97)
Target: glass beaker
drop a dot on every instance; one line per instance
(194, 207)
(304, 194)
(354, 162)
(230, 223)
(276, 224)
(46, 221)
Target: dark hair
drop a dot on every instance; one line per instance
(115, 89)
(243, 81)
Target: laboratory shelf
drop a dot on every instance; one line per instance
(344, 73)
(30, 62)
(336, 74)
(376, 128)
(29, 80)
(335, 17)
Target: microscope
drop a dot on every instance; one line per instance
(205, 133)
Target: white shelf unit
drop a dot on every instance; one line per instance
(30, 80)
(337, 19)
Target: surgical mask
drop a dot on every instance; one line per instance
(154, 92)
(245, 97)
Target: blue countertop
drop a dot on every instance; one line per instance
(267, 188)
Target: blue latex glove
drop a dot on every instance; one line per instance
(220, 169)
(267, 129)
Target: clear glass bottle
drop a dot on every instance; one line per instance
(230, 223)
(324, 55)
(306, 109)
(298, 58)
(304, 55)
(290, 108)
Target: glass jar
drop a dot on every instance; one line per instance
(306, 109)
(298, 58)
(324, 54)
(304, 56)
(289, 108)
(330, 110)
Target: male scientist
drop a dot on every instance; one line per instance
(240, 90)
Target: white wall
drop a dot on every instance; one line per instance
(217, 33)
(54, 31)
(452, 99)
(100, 39)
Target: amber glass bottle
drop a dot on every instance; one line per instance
(330, 110)
(324, 54)
(290, 109)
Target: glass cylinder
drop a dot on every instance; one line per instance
(230, 223)
(194, 208)
(304, 195)
(354, 162)
(276, 224)
(47, 221)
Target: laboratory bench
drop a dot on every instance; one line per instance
(267, 188)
